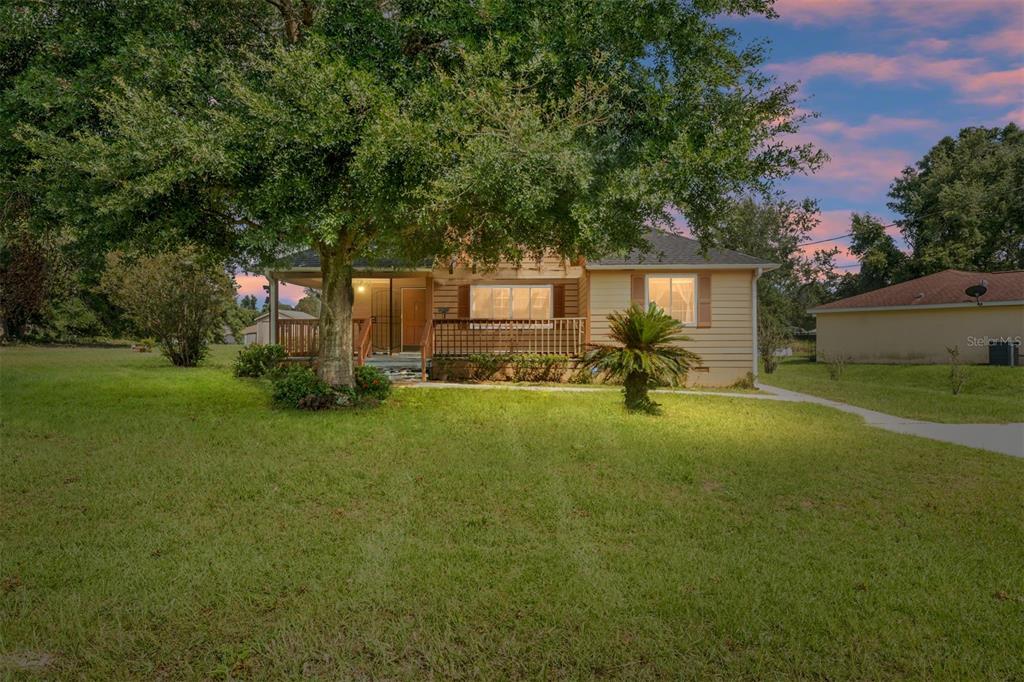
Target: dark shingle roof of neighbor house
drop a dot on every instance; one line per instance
(675, 249)
(942, 288)
(666, 249)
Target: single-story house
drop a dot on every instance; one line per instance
(259, 331)
(916, 321)
(549, 306)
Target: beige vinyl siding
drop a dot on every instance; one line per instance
(725, 348)
(916, 336)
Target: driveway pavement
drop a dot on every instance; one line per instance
(1007, 439)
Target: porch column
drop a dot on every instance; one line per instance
(274, 305)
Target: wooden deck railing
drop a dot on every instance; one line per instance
(301, 338)
(426, 347)
(463, 337)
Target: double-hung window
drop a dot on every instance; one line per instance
(675, 294)
(510, 302)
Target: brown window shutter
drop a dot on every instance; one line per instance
(636, 290)
(704, 301)
(463, 301)
(558, 305)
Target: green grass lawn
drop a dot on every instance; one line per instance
(166, 523)
(993, 395)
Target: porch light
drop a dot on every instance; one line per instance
(361, 288)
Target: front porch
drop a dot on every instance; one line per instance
(425, 312)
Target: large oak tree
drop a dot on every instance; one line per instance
(483, 131)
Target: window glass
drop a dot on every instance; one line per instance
(483, 302)
(512, 302)
(540, 303)
(520, 304)
(682, 299)
(675, 295)
(659, 292)
(502, 298)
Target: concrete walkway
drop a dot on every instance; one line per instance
(1007, 439)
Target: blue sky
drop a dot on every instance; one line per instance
(889, 79)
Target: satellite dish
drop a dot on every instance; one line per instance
(977, 291)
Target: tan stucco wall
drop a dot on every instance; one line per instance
(916, 336)
(725, 348)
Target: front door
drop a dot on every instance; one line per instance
(414, 316)
(380, 309)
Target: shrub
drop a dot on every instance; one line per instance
(535, 367)
(299, 386)
(179, 298)
(648, 355)
(771, 338)
(483, 366)
(835, 364)
(957, 371)
(372, 383)
(746, 383)
(583, 375)
(258, 359)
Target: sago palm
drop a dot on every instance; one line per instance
(647, 353)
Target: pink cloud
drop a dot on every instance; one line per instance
(929, 45)
(835, 223)
(995, 87)
(1007, 40)
(1015, 116)
(968, 76)
(855, 170)
(253, 284)
(908, 12)
(875, 126)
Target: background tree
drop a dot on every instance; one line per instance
(180, 298)
(437, 129)
(310, 303)
(962, 205)
(774, 230)
(881, 261)
(249, 303)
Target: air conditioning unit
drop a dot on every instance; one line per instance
(1005, 353)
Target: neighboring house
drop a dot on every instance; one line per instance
(916, 321)
(549, 306)
(259, 332)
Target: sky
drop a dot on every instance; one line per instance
(888, 79)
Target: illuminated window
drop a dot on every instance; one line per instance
(675, 294)
(516, 302)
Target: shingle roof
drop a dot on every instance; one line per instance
(675, 249)
(942, 288)
(666, 249)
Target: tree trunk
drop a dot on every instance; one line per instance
(336, 314)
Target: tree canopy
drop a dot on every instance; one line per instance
(483, 131)
(962, 204)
